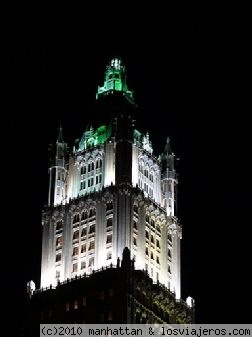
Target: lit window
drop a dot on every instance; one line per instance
(59, 241)
(76, 304)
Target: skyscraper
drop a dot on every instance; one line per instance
(111, 197)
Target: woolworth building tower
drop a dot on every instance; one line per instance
(110, 223)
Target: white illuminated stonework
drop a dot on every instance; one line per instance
(108, 193)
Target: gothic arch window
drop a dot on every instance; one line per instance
(76, 218)
(98, 163)
(109, 206)
(84, 215)
(83, 169)
(92, 212)
(59, 225)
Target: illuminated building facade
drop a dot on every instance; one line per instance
(108, 193)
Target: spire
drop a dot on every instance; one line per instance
(168, 156)
(115, 80)
(60, 135)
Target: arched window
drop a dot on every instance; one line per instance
(135, 208)
(109, 206)
(84, 215)
(92, 212)
(59, 225)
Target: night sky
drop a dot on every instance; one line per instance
(190, 69)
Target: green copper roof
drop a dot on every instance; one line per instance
(93, 137)
(115, 80)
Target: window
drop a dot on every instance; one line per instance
(157, 260)
(157, 276)
(158, 245)
(91, 262)
(75, 267)
(152, 257)
(169, 269)
(59, 241)
(76, 304)
(170, 237)
(59, 225)
(75, 251)
(96, 179)
(109, 238)
(57, 274)
(67, 307)
(109, 206)
(147, 251)
(92, 212)
(91, 229)
(134, 224)
(88, 182)
(158, 228)
(92, 166)
(91, 245)
(147, 218)
(110, 315)
(84, 231)
(92, 182)
(100, 178)
(147, 235)
(83, 248)
(135, 241)
(152, 239)
(83, 264)
(109, 222)
(109, 255)
(58, 257)
(169, 252)
(84, 215)
(76, 235)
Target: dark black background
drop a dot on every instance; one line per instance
(190, 68)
